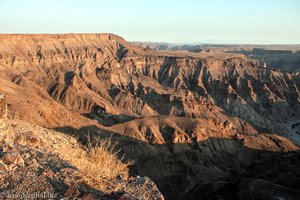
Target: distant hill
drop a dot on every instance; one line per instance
(284, 57)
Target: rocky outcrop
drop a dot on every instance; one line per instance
(33, 165)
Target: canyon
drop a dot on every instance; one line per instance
(202, 125)
(280, 56)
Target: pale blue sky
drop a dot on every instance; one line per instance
(177, 21)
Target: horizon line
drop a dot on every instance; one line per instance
(204, 42)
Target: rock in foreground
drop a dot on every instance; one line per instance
(34, 165)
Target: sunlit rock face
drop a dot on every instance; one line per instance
(187, 119)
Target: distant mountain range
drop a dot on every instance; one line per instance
(284, 57)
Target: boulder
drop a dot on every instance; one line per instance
(88, 196)
(72, 191)
(7, 146)
(142, 188)
(13, 157)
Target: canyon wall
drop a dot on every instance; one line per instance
(187, 119)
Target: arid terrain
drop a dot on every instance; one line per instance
(283, 57)
(219, 123)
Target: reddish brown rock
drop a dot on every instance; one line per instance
(88, 196)
(72, 191)
(48, 173)
(13, 157)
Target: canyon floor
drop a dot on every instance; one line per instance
(209, 124)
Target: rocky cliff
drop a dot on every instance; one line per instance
(182, 116)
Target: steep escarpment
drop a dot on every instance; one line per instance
(197, 87)
(284, 59)
(187, 119)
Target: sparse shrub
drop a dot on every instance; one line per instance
(98, 163)
(101, 161)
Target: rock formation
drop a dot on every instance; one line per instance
(283, 57)
(187, 119)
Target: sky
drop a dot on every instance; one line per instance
(173, 21)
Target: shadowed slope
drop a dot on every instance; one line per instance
(164, 107)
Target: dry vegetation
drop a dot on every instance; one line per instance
(43, 160)
(98, 163)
